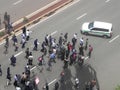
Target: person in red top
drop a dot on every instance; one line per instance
(69, 46)
(90, 51)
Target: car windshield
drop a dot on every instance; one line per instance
(91, 25)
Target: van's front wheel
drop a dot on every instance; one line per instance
(105, 36)
(86, 33)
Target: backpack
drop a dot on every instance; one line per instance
(40, 59)
(91, 48)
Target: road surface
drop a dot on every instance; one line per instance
(105, 57)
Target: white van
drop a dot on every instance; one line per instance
(97, 28)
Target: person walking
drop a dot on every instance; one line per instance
(65, 37)
(16, 47)
(15, 40)
(49, 65)
(15, 81)
(60, 40)
(73, 42)
(24, 30)
(46, 39)
(30, 59)
(62, 77)
(36, 44)
(23, 42)
(7, 41)
(56, 86)
(0, 23)
(6, 48)
(81, 50)
(8, 76)
(65, 63)
(52, 57)
(13, 60)
(86, 44)
(47, 86)
(81, 41)
(6, 45)
(75, 36)
(27, 52)
(0, 70)
(90, 51)
(43, 45)
(27, 35)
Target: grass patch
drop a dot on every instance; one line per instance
(2, 33)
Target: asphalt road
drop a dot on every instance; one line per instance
(104, 63)
(17, 9)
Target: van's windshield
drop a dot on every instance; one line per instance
(91, 25)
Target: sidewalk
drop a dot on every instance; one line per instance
(37, 16)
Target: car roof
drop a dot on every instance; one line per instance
(104, 25)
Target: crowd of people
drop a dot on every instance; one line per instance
(64, 49)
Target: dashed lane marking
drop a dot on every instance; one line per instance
(86, 58)
(17, 2)
(18, 53)
(114, 38)
(57, 12)
(81, 16)
(53, 33)
(32, 68)
(107, 1)
(52, 81)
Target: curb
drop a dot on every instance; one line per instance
(38, 15)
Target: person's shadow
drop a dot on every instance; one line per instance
(66, 84)
(85, 74)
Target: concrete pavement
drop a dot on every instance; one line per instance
(105, 56)
(36, 16)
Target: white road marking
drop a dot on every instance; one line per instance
(2, 43)
(57, 12)
(81, 16)
(107, 1)
(86, 58)
(17, 2)
(32, 68)
(48, 5)
(53, 33)
(52, 81)
(18, 53)
(114, 38)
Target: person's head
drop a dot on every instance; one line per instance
(46, 84)
(12, 55)
(61, 34)
(30, 53)
(27, 48)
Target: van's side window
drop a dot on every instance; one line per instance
(99, 29)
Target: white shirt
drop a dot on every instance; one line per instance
(27, 33)
(81, 41)
(75, 36)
